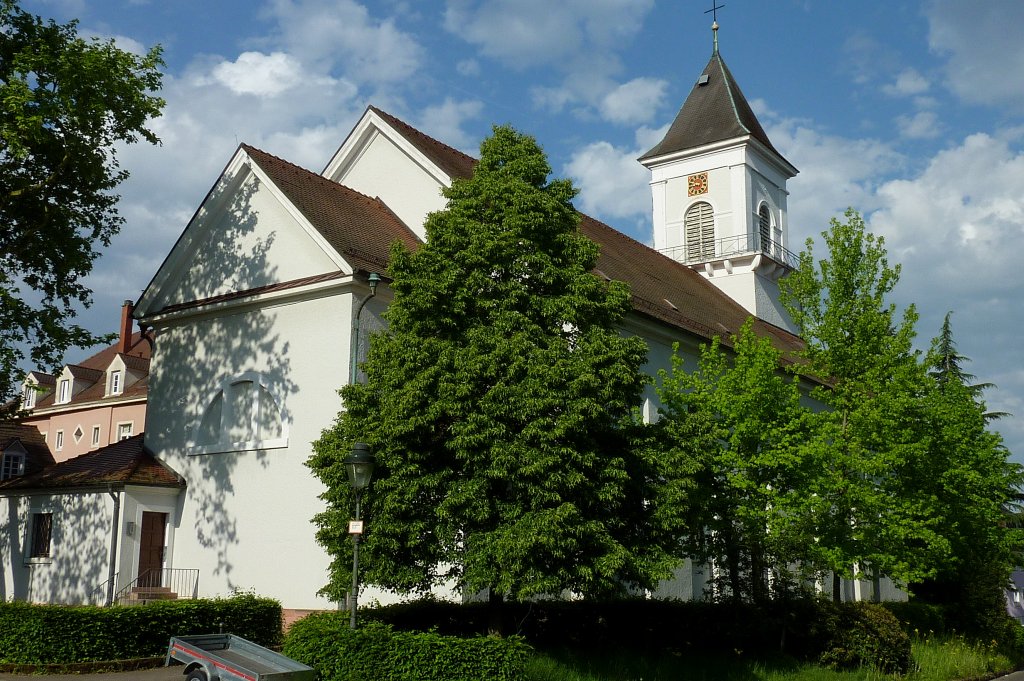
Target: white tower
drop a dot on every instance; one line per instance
(719, 191)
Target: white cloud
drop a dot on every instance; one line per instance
(983, 46)
(342, 34)
(527, 33)
(444, 122)
(255, 73)
(835, 173)
(922, 125)
(635, 101)
(907, 84)
(468, 67)
(612, 184)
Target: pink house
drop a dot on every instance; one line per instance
(96, 402)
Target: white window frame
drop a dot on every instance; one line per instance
(29, 396)
(120, 429)
(95, 436)
(116, 385)
(64, 394)
(58, 440)
(13, 464)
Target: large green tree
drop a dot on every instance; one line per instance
(499, 403)
(870, 431)
(732, 429)
(66, 103)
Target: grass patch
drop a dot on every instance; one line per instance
(945, 659)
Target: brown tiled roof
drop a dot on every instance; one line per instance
(42, 378)
(85, 373)
(127, 462)
(450, 160)
(671, 292)
(360, 228)
(38, 454)
(655, 280)
(713, 112)
(134, 362)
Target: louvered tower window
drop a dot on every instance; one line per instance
(700, 231)
(764, 221)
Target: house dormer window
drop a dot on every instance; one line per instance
(28, 396)
(64, 394)
(115, 383)
(13, 465)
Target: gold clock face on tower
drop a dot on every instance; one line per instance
(697, 184)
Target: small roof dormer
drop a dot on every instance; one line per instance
(73, 380)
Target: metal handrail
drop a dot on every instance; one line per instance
(102, 589)
(731, 246)
(183, 582)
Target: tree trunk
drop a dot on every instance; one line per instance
(495, 614)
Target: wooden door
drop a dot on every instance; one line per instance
(151, 548)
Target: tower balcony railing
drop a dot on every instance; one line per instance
(730, 247)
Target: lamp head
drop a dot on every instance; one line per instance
(359, 465)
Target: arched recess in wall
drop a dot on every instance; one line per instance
(243, 414)
(699, 224)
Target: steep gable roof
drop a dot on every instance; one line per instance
(361, 229)
(715, 110)
(126, 462)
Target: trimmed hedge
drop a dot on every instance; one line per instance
(839, 635)
(61, 634)
(377, 652)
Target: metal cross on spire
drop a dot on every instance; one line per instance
(714, 16)
(714, 10)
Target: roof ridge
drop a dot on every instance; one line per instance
(727, 79)
(395, 119)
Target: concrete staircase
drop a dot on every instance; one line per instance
(140, 595)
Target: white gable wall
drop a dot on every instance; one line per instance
(254, 241)
(387, 171)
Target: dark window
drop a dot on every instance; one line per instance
(42, 530)
(765, 224)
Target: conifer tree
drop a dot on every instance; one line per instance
(971, 483)
(498, 403)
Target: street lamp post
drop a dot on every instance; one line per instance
(359, 466)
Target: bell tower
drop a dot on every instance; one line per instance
(719, 188)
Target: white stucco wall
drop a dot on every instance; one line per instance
(79, 548)
(244, 520)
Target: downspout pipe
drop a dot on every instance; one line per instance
(115, 531)
(372, 280)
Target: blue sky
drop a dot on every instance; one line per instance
(911, 112)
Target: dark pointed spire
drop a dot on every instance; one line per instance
(715, 110)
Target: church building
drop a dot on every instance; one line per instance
(262, 311)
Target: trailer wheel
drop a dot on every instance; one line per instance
(196, 675)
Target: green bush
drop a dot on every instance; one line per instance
(918, 617)
(59, 634)
(861, 635)
(379, 653)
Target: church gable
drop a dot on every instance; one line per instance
(386, 158)
(245, 236)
